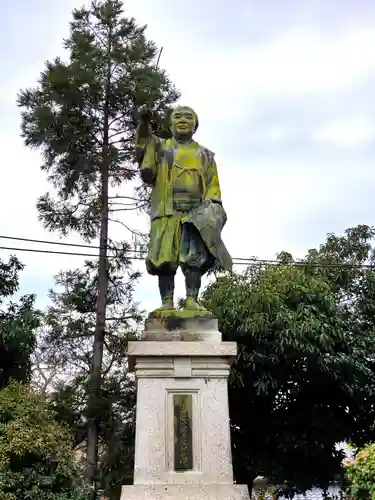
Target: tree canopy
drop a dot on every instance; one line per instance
(82, 116)
(64, 362)
(304, 376)
(36, 456)
(18, 324)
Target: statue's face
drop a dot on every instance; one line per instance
(183, 122)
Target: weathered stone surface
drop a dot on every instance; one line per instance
(199, 370)
(155, 445)
(165, 351)
(182, 327)
(185, 492)
(182, 446)
(179, 313)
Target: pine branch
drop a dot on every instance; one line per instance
(121, 318)
(117, 197)
(138, 207)
(133, 231)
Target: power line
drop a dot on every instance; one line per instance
(59, 243)
(75, 254)
(254, 261)
(82, 245)
(236, 261)
(57, 252)
(46, 241)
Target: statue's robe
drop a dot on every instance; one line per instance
(187, 215)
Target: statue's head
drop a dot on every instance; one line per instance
(184, 122)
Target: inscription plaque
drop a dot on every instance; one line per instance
(183, 436)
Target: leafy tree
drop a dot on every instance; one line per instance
(18, 322)
(340, 260)
(36, 456)
(302, 382)
(82, 117)
(65, 351)
(361, 473)
(348, 266)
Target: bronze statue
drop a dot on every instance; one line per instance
(187, 215)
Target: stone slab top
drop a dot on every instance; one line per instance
(180, 322)
(180, 313)
(185, 492)
(181, 348)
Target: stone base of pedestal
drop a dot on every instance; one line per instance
(183, 328)
(182, 445)
(165, 371)
(185, 492)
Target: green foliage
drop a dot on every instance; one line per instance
(70, 319)
(18, 322)
(82, 115)
(361, 473)
(343, 256)
(36, 456)
(65, 348)
(303, 380)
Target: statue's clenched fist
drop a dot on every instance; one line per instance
(145, 113)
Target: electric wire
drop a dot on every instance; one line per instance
(137, 254)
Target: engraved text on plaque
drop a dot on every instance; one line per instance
(183, 436)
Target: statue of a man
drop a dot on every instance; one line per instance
(187, 215)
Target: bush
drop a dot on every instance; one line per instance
(36, 455)
(361, 473)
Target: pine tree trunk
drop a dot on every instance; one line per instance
(96, 370)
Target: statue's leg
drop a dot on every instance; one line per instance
(193, 280)
(162, 258)
(166, 289)
(193, 258)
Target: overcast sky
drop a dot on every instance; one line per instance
(284, 94)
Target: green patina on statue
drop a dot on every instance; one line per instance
(187, 215)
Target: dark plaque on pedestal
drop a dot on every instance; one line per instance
(183, 435)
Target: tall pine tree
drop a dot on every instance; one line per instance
(64, 351)
(82, 115)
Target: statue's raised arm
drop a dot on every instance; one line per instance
(146, 144)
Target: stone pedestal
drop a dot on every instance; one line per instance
(175, 327)
(182, 447)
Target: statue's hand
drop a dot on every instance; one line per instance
(145, 114)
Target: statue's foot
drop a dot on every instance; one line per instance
(192, 305)
(167, 305)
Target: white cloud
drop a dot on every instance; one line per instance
(348, 132)
(262, 194)
(302, 61)
(305, 60)
(278, 133)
